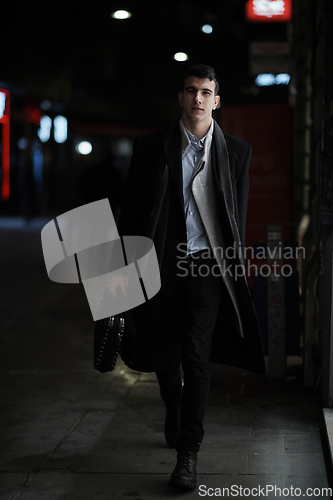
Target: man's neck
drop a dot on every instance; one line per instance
(198, 129)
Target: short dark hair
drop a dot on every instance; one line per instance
(201, 71)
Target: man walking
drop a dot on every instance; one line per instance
(187, 189)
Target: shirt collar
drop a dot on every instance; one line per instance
(194, 140)
(187, 137)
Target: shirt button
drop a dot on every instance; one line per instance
(191, 213)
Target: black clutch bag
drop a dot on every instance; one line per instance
(108, 338)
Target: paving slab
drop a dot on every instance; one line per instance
(315, 486)
(10, 482)
(69, 432)
(306, 464)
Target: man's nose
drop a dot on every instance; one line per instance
(198, 97)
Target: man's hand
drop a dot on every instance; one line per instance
(117, 280)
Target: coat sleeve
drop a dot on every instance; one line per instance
(243, 194)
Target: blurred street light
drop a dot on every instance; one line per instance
(121, 14)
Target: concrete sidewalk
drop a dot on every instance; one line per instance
(69, 432)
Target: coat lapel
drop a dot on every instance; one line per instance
(222, 167)
(206, 196)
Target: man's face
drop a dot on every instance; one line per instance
(198, 99)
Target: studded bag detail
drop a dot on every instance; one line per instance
(108, 337)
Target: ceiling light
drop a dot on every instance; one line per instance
(60, 129)
(180, 56)
(268, 79)
(265, 80)
(282, 79)
(84, 148)
(207, 28)
(121, 14)
(44, 130)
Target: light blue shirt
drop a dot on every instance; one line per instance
(196, 234)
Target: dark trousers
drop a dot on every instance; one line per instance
(201, 299)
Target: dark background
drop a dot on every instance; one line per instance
(77, 55)
(111, 79)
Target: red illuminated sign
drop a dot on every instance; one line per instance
(269, 10)
(5, 120)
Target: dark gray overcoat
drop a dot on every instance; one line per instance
(153, 206)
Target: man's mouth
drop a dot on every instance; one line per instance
(197, 109)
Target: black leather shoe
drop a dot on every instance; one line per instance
(172, 426)
(185, 473)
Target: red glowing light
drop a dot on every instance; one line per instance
(32, 114)
(269, 10)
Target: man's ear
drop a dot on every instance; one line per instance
(216, 101)
(180, 98)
